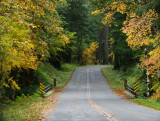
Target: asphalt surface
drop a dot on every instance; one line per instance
(89, 98)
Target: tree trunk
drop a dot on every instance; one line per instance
(1, 57)
(14, 73)
(149, 85)
(106, 44)
(99, 47)
(159, 74)
(14, 92)
(116, 61)
(80, 50)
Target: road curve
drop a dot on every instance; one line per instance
(89, 98)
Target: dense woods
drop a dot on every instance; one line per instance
(123, 33)
(133, 32)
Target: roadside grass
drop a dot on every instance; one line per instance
(23, 108)
(47, 73)
(30, 107)
(150, 103)
(115, 79)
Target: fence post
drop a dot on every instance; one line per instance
(54, 82)
(125, 83)
(136, 89)
(41, 89)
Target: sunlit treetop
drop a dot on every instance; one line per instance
(139, 30)
(111, 8)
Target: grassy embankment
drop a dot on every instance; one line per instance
(115, 79)
(30, 107)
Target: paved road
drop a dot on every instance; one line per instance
(89, 98)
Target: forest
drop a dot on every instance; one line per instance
(123, 33)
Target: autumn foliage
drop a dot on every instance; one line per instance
(142, 29)
(141, 33)
(89, 54)
(28, 29)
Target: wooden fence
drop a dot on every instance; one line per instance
(133, 90)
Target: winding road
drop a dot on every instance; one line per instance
(89, 98)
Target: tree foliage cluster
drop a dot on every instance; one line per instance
(35, 31)
(30, 32)
(139, 20)
(89, 54)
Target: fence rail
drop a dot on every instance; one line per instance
(133, 90)
(46, 88)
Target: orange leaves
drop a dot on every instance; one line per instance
(138, 30)
(152, 63)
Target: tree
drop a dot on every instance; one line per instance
(29, 29)
(123, 55)
(89, 54)
(142, 35)
(141, 27)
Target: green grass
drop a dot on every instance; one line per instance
(115, 79)
(148, 103)
(29, 107)
(23, 108)
(47, 73)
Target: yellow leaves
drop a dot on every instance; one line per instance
(96, 12)
(108, 18)
(114, 7)
(71, 35)
(132, 14)
(63, 39)
(32, 25)
(26, 30)
(14, 85)
(89, 54)
(18, 49)
(42, 13)
(139, 30)
(111, 41)
(156, 95)
(152, 63)
(119, 7)
(6, 3)
(5, 85)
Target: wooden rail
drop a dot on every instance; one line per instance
(47, 88)
(133, 90)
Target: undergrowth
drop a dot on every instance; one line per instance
(28, 107)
